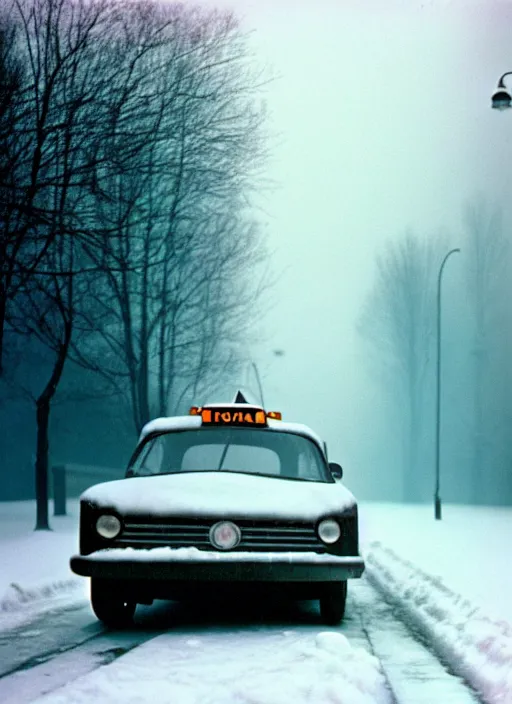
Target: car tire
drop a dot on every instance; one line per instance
(332, 602)
(110, 608)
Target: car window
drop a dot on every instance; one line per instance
(252, 459)
(307, 463)
(152, 459)
(246, 450)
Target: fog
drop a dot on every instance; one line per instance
(384, 122)
(379, 123)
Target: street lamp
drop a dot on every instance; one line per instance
(260, 388)
(437, 498)
(501, 98)
(277, 353)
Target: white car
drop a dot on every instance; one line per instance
(227, 498)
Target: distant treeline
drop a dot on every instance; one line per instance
(399, 329)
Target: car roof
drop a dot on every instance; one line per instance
(177, 423)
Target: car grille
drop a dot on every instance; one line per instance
(255, 536)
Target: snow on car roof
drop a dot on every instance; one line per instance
(172, 423)
(163, 425)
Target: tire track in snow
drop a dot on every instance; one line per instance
(415, 674)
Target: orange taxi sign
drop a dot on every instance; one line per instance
(233, 416)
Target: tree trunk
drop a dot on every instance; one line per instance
(43, 418)
(43, 405)
(3, 305)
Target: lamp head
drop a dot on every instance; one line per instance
(501, 99)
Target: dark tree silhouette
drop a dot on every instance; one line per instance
(134, 142)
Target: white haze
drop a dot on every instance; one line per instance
(381, 112)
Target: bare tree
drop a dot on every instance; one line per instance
(56, 40)
(216, 299)
(129, 241)
(397, 323)
(53, 42)
(11, 79)
(487, 250)
(182, 244)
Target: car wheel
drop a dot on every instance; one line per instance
(332, 602)
(110, 607)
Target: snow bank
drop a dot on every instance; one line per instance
(284, 668)
(476, 647)
(34, 565)
(21, 605)
(16, 596)
(468, 545)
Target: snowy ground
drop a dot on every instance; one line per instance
(34, 570)
(450, 578)
(469, 548)
(284, 668)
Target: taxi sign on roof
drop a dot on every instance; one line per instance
(219, 415)
(239, 413)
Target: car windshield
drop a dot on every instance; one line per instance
(262, 452)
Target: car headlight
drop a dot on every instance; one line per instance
(329, 531)
(108, 526)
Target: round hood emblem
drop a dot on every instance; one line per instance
(225, 535)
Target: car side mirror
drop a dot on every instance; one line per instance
(336, 470)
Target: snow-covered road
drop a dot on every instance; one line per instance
(68, 656)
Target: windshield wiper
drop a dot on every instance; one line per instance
(224, 453)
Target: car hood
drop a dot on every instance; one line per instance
(220, 494)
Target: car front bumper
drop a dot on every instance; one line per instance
(190, 564)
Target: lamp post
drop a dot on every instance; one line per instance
(501, 98)
(277, 353)
(437, 498)
(260, 388)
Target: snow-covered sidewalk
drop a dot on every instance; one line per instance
(477, 648)
(469, 549)
(35, 574)
(460, 599)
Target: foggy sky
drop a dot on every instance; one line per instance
(381, 112)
